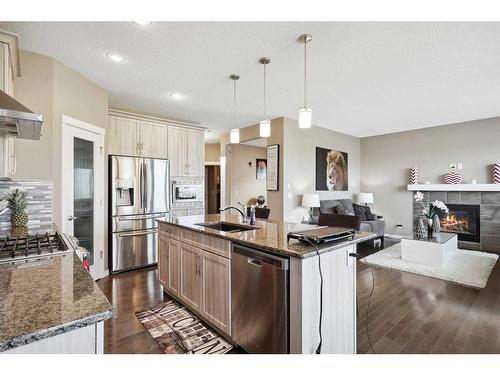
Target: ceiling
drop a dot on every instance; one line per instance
(365, 78)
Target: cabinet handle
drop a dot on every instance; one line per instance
(197, 267)
(14, 164)
(201, 265)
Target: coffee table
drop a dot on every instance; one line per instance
(433, 251)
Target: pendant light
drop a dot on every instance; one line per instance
(265, 125)
(234, 134)
(305, 113)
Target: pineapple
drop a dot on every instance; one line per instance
(19, 231)
(17, 202)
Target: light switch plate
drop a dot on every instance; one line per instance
(290, 195)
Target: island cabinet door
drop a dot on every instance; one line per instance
(216, 275)
(174, 267)
(191, 276)
(163, 260)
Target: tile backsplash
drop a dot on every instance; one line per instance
(39, 206)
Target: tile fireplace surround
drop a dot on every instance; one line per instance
(489, 202)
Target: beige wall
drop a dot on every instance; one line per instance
(35, 90)
(386, 160)
(274, 198)
(52, 89)
(244, 185)
(212, 152)
(300, 161)
(77, 97)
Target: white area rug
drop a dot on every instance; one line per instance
(470, 268)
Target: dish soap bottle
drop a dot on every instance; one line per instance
(252, 215)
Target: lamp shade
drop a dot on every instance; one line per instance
(234, 136)
(265, 128)
(305, 117)
(365, 198)
(310, 200)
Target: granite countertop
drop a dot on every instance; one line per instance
(271, 236)
(46, 297)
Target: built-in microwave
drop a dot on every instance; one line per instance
(186, 192)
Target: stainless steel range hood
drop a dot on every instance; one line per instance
(17, 120)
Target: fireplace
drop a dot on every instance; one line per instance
(463, 219)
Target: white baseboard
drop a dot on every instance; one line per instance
(105, 273)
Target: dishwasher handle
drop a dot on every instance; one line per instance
(259, 258)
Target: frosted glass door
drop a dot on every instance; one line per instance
(83, 194)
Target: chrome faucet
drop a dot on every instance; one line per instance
(241, 211)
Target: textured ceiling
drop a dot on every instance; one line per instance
(364, 78)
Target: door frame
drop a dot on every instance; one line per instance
(99, 183)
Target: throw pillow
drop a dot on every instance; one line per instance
(364, 212)
(342, 211)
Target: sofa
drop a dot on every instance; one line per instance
(369, 221)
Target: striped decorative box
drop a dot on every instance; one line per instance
(453, 178)
(496, 173)
(414, 175)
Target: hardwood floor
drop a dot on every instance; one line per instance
(408, 313)
(128, 293)
(417, 314)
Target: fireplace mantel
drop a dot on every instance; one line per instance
(454, 187)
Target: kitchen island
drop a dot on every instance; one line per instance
(50, 304)
(197, 267)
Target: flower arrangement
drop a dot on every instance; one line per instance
(429, 210)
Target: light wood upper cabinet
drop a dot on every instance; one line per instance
(132, 137)
(196, 153)
(123, 136)
(186, 152)
(216, 275)
(191, 276)
(177, 151)
(153, 139)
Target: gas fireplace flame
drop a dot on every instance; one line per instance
(451, 223)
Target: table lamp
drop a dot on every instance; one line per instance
(365, 198)
(310, 200)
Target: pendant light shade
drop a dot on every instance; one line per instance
(265, 128)
(305, 117)
(305, 113)
(234, 134)
(265, 125)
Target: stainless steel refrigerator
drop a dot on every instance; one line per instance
(139, 194)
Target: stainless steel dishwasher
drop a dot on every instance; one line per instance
(259, 300)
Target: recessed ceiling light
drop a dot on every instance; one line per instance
(176, 96)
(115, 57)
(143, 23)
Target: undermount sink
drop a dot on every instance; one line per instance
(224, 226)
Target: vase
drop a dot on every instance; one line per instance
(436, 225)
(496, 173)
(414, 175)
(430, 229)
(453, 178)
(421, 230)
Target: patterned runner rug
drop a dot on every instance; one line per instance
(177, 331)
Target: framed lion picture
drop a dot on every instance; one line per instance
(332, 170)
